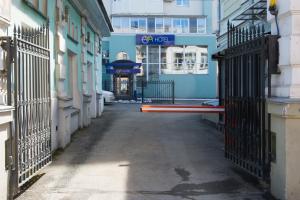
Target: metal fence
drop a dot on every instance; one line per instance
(28, 90)
(154, 91)
(107, 85)
(247, 76)
(158, 91)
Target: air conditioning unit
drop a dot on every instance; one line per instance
(168, 1)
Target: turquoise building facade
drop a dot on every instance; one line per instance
(187, 86)
(75, 56)
(187, 61)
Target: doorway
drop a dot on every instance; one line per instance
(73, 79)
(123, 85)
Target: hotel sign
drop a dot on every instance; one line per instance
(147, 39)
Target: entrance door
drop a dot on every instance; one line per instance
(123, 87)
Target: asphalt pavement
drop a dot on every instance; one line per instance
(128, 155)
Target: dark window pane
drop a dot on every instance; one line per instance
(193, 25)
(151, 25)
(153, 54)
(134, 24)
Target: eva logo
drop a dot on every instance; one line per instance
(155, 39)
(146, 39)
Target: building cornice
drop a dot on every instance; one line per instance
(4, 21)
(87, 15)
(156, 15)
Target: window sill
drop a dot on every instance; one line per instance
(90, 53)
(29, 4)
(72, 39)
(187, 6)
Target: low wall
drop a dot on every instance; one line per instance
(5, 119)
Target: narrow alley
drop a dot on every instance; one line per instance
(128, 155)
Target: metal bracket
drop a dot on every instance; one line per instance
(9, 160)
(273, 54)
(7, 45)
(5, 42)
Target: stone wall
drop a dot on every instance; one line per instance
(284, 106)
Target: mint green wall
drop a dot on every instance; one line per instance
(37, 19)
(90, 57)
(120, 43)
(73, 47)
(186, 86)
(99, 72)
(105, 47)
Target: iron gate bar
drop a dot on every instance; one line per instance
(31, 98)
(246, 129)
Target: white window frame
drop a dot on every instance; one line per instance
(119, 23)
(129, 29)
(163, 24)
(205, 25)
(129, 24)
(188, 25)
(138, 20)
(122, 29)
(181, 3)
(171, 20)
(184, 65)
(181, 25)
(206, 61)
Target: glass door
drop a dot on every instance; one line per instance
(123, 87)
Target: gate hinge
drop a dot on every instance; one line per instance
(7, 45)
(5, 42)
(273, 54)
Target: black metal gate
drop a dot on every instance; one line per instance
(250, 60)
(159, 91)
(29, 93)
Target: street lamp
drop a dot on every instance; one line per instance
(273, 7)
(274, 11)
